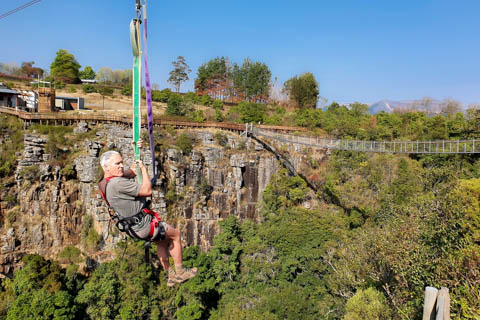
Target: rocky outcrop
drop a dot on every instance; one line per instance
(206, 185)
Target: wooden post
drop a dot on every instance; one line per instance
(443, 305)
(429, 303)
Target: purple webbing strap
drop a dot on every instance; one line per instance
(148, 92)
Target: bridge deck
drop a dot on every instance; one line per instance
(427, 147)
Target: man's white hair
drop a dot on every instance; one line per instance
(106, 157)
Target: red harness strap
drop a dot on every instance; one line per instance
(156, 219)
(104, 192)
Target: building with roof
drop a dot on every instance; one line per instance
(8, 97)
(69, 103)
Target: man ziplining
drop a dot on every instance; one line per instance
(123, 195)
(128, 200)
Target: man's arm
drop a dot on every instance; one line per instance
(130, 172)
(146, 187)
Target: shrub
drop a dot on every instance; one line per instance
(171, 130)
(89, 88)
(191, 96)
(174, 106)
(71, 89)
(242, 145)
(197, 116)
(171, 196)
(204, 188)
(10, 200)
(250, 112)
(127, 91)
(285, 191)
(367, 304)
(217, 104)
(31, 173)
(105, 91)
(218, 116)
(68, 171)
(11, 216)
(161, 95)
(87, 223)
(70, 254)
(59, 84)
(221, 138)
(93, 239)
(184, 143)
(206, 100)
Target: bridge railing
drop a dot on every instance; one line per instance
(427, 147)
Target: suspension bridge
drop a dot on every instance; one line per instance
(419, 147)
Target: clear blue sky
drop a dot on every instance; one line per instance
(358, 50)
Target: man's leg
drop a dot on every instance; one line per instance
(162, 253)
(172, 239)
(175, 250)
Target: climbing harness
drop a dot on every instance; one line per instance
(125, 225)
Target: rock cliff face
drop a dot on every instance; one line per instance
(194, 191)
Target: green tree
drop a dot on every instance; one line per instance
(303, 90)
(174, 106)
(40, 292)
(252, 80)
(179, 73)
(87, 73)
(125, 288)
(65, 67)
(213, 78)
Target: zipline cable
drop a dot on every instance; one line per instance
(24, 6)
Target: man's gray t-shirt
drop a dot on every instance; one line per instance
(122, 194)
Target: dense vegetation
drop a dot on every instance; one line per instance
(385, 227)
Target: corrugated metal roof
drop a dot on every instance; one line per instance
(10, 91)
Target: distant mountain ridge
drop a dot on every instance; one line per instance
(427, 105)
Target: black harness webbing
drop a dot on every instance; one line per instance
(126, 224)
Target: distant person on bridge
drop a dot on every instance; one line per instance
(128, 200)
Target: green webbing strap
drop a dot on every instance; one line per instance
(137, 87)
